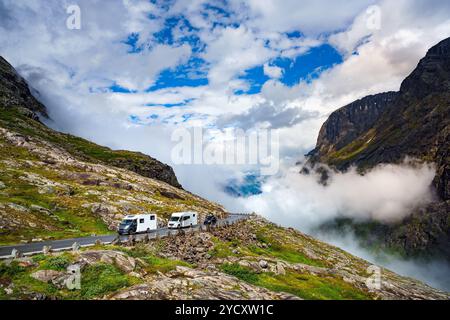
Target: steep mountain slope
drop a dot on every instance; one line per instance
(15, 97)
(388, 127)
(55, 185)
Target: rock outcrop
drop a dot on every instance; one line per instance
(190, 284)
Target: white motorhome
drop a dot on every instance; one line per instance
(138, 223)
(183, 220)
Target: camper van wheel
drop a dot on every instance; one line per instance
(148, 230)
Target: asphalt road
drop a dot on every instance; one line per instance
(37, 247)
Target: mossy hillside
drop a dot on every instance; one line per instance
(85, 150)
(76, 187)
(306, 286)
(97, 280)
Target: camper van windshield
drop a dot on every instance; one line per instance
(174, 218)
(127, 221)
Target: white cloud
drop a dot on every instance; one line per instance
(233, 51)
(387, 194)
(272, 71)
(307, 15)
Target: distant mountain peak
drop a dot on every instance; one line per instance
(432, 74)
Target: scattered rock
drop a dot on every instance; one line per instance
(46, 275)
(17, 207)
(263, 264)
(279, 269)
(121, 260)
(26, 262)
(46, 190)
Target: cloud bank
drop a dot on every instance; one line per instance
(386, 194)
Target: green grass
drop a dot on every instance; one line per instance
(222, 249)
(282, 250)
(243, 273)
(305, 286)
(76, 146)
(97, 280)
(22, 280)
(154, 263)
(100, 279)
(163, 265)
(58, 263)
(10, 270)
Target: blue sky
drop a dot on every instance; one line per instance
(304, 66)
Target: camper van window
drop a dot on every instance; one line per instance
(152, 217)
(174, 219)
(141, 220)
(186, 218)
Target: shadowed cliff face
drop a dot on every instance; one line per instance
(387, 128)
(14, 92)
(15, 96)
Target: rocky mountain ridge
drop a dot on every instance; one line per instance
(389, 127)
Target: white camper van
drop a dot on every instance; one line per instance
(183, 220)
(138, 223)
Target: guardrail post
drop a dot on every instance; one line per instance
(46, 250)
(131, 240)
(76, 247)
(16, 253)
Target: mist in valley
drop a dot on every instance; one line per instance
(386, 194)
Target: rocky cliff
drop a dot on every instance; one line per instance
(347, 123)
(388, 127)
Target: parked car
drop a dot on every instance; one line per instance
(132, 224)
(210, 220)
(182, 220)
